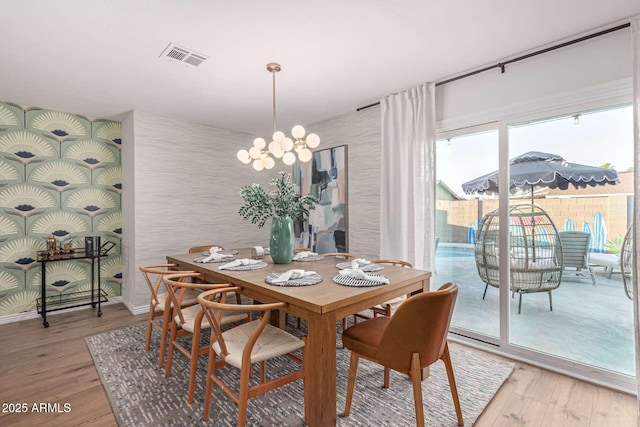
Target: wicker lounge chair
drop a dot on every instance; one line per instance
(534, 253)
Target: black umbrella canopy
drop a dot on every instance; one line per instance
(537, 169)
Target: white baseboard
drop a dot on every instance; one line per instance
(136, 310)
(18, 317)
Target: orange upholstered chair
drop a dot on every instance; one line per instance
(414, 337)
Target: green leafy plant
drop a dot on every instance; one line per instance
(282, 201)
(614, 246)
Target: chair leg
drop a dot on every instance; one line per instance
(209, 388)
(550, 302)
(172, 339)
(446, 358)
(485, 291)
(386, 377)
(417, 388)
(166, 318)
(351, 382)
(147, 344)
(243, 395)
(195, 353)
(519, 302)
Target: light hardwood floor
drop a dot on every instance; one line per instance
(53, 365)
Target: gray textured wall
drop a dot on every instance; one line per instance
(362, 133)
(181, 186)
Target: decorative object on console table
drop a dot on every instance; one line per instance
(325, 177)
(92, 245)
(283, 205)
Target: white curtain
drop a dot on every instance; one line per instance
(407, 189)
(635, 34)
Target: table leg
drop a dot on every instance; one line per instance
(99, 289)
(321, 369)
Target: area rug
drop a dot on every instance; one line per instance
(140, 395)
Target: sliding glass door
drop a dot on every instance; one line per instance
(557, 298)
(460, 157)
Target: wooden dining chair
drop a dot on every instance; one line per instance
(191, 320)
(160, 304)
(205, 248)
(246, 344)
(388, 307)
(397, 343)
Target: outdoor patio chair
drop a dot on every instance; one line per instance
(395, 342)
(575, 254)
(535, 256)
(626, 262)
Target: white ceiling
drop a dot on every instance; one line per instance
(101, 58)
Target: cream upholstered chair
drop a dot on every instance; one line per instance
(160, 304)
(396, 343)
(388, 307)
(196, 249)
(246, 344)
(191, 320)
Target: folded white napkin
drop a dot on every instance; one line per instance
(359, 262)
(214, 249)
(214, 256)
(304, 254)
(239, 262)
(356, 273)
(292, 275)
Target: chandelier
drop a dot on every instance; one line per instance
(280, 146)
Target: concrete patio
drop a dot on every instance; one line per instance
(589, 324)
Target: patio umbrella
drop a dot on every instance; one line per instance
(537, 169)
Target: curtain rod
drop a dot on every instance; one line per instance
(502, 65)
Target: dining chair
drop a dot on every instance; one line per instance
(242, 346)
(160, 304)
(191, 320)
(396, 343)
(388, 307)
(205, 248)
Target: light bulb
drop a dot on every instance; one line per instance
(313, 140)
(268, 162)
(289, 158)
(286, 144)
(254, 152)
(243, 156)
(278, 136)
(257, 165)
(304, 155)
(259, 142)
(278, 154)
(297, 132)
(274, 147)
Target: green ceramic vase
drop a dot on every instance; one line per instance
(281, 244)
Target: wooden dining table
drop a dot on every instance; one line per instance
(322, 305)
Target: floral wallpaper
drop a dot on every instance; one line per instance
(60, 174)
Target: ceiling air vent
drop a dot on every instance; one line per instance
(176, 53)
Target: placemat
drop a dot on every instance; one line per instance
(367, 267)
(314, 279)
(341, 279)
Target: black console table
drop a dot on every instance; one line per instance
(47, 304)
